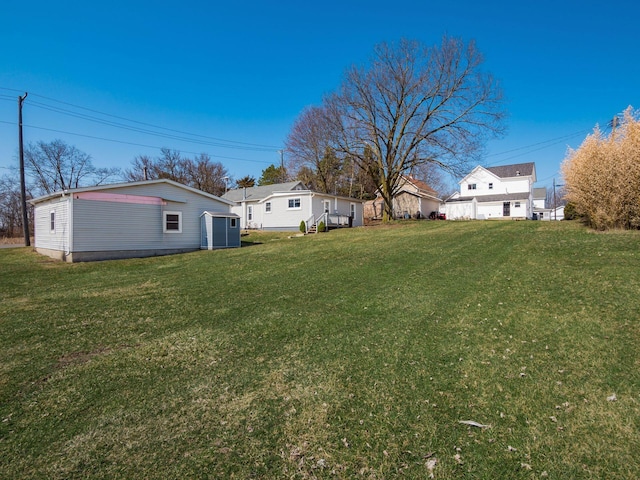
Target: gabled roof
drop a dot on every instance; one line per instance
(110, 186)
(517, 170)
(540, 193)
(423, 188)
(264, 191)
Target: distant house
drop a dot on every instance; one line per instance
(413, 199)
(540, 210)
(138, 219)
(284, 206)
(494, 192)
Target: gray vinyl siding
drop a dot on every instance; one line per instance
(45, 238)
(110, 226)
(100, 226)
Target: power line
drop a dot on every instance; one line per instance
(554, 140)
(134, 143)
(238, 143)
(146, 131)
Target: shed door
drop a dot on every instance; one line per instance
(506, 209)
(219, 232)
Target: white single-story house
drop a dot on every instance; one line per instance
(283, 206)
(494, 192)
(137, 219)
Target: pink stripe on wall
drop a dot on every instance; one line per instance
(119, 198)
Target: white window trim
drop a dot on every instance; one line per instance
(299, 199)
(268, 207)
(52, 216)
(250, 213)
(164, 222)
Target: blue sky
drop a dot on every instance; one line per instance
(239, 73)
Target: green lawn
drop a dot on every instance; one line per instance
(349, 354)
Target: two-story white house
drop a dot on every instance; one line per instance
(494, 192)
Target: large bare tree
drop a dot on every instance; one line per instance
(57, 166)
(200, 172)
(312, 156)
(410, 106)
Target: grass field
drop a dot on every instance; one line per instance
(355, 353)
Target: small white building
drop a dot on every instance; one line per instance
(284, 206)
(137, 219)
(557, 213)
(494, 192)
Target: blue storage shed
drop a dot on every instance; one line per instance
(219, 230)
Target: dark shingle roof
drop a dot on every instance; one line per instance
(540, 193)
(516, 170)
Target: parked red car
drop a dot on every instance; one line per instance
(437, 216)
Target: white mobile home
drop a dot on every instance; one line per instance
(138, 219)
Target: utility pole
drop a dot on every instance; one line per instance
(555, 202)
(284, 179)
(23, 189)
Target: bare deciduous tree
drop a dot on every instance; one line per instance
(200, 172)
(10, 207)
(204, 174)
(57, 166)
(312, 157)
(142, 168)
(411, 106)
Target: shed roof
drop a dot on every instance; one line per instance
(219, 214)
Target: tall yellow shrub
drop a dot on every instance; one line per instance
(602, 177)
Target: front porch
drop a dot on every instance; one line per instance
(330, 221)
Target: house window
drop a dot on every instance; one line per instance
(233, 222)
(172, 222)
(517, 205)
(352, 210)
(491, 186)
(267, 207)
(250, 212)
(471, 186)
(52, 221)
(294, 203)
